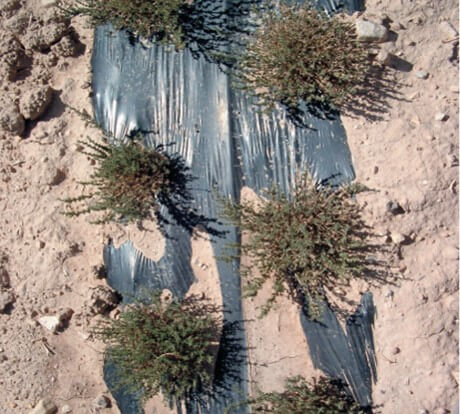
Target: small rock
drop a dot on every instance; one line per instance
(453, 88)
(395, 351)
(49, 3)
(441, 411)
(371, 32)
(102, 300)
(66, 47)
(66, 409)
(389, 294)
(34, 103)
(440, 116)
(394, 208)
(12, 57)
(385, 58)
(423, 411)
(45, 406)
(448, 30)
(6, 299)
(453, 187)
(52, 323)
(397, 238)
(102, 401)
(4, 278)
(57, 177)
(42, 38)
(421, 74)
(10, 119)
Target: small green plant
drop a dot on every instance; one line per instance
(158, 19)
(322, 396)
(312, 241)
(163, 346)
(300, 54)
(128, 182)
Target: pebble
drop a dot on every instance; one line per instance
(441, 411)
(66, 409)
(421, 74)
(45, 406)
(397, 238)
(48, 3)
(6, 299)
(394, 208)
(385, 58)
(389, 293)
(395, 351)
(102, 401)
(35, 102)
(422, 411)
(440, 116)
(52, 323)
(371, 32)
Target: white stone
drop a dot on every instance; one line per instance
(102, 401)
(385, 58)
(45, 406)
(52, 323)
(440, 116)
(66, 409)
(421, 74)
(371, 32)
(397, 238)
(49, 3)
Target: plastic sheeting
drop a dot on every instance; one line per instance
(187, 104)
(348, 356)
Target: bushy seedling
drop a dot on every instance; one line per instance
(312, 241)
(321, 396)
(163, 347)
(128, 182)
(158, 19)
(300, 54)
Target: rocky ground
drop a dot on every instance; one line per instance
(51, 290)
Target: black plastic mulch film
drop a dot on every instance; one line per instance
(188, 104)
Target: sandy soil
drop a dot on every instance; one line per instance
(407, 156)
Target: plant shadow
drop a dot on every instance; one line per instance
(179, 202)
(231, 355)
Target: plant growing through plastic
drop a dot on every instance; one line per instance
(311, 242)
(153, 18)
(163, 347)
(128, 182)
(300, 54)
(322, 396)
